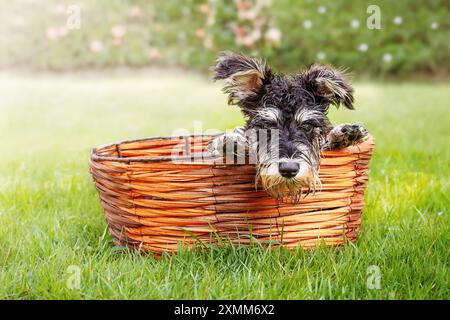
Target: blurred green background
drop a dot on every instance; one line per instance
(413, 39)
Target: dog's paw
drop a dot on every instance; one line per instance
(345, 135)
(233, 142)
(215, 147)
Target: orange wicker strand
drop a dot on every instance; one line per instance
(154, 204)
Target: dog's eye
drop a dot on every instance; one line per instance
(308, 127)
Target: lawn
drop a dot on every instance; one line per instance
(52, 224)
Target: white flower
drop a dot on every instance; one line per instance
(307, 24)
(250, 14)
(440, 213)
(52, 33)
(273, 35)
(363, 47)
(434, 25)
(200, 33)
(321, 55)
(387, 57)
(118, 31)
(245, 38)
(135, 11)
(354, 24)
(322, 9)
(204, 8)
(154, 53)
(96, 46)
(398, 20)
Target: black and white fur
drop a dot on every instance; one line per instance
(296, 107)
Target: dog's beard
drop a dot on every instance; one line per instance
(290, 189)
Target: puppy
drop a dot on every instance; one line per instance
(291, 112)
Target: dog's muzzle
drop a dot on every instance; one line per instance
(288, 179)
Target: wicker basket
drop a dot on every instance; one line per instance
(153, 203)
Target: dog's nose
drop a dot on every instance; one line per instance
(288, 169)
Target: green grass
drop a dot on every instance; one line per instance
(51, 218)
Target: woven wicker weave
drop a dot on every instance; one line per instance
(155, 204)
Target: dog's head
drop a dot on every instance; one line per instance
(294, 110)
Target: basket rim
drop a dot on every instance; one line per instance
(95, 157)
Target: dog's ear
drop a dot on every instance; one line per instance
(329, 85)
(244, 77)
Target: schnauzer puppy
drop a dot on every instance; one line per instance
(293, 108)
